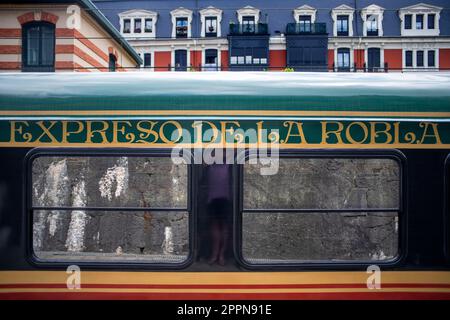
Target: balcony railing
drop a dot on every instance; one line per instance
(249, 29)
(306, 28)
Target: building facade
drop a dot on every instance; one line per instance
(47, 36)
(319, 35)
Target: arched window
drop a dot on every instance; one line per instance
(38, 47)
(112, 62)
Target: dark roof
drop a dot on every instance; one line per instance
(98, 16)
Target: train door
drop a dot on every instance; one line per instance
(180, 60)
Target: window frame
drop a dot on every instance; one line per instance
(178, 29)
(209, 34)
(115, 265)
(339, 23)
(38, 68)
(433, 25)
(402, 211)
(408, 21)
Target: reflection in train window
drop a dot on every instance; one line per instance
(321, 210)
(110, 209)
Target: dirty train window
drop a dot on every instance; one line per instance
(109, 209)
(321, 209)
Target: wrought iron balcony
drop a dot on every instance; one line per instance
(249, 29)
(306, 28)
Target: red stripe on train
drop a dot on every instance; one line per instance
(223, 286)
(224, 296)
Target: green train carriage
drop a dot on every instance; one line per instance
(330, 177)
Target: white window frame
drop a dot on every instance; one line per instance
(210, 12)
(373, 10)
(366, 54)
(181, 13)
(133, 15)
(219, 56)
(343, 10)
(421, 8)
(352, 57)
(141, 53)
(248, 11)
(425, 50)
(305, 10)
(188, 56)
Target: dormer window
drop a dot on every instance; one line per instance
(408, 21)
(342, 25)
(305, 23)
(211, 18)
(420, 20)
(126, 26)
(248, 15)
(148, 26)
(211, 27)
(372, 17)
(182, 28)
(248, 24)
(343, 21)
(431, 21)
(181, 23)
(138, 23)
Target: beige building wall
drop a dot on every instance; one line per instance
(81, 43)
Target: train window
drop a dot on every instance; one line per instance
(321, 210)
(110, 209)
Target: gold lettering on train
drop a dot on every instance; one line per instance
(66, 132)
(146, 132)
(102, 132)
(119, 127)
(374, 133)
(299, 131)
(46, 131)
(425, 134)
(15, 127)
(224, 127)
(351, 137)
(53, 132)
(326, 133)
(178, 127)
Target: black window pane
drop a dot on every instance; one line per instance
(38, 41)
(431, 58)
(137, 26)
(409, 58)
(48, 44)
(342, 25)
(112, 63)
(420, 58)
(211, 26)
(305, 23)
(147, 59)
(148, 25)
(419, 21)
(33, 44)
(431, 21)
(126, 25)
(181, 27)
(408, 21)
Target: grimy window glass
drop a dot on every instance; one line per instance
(321, 210)
(109, 208)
